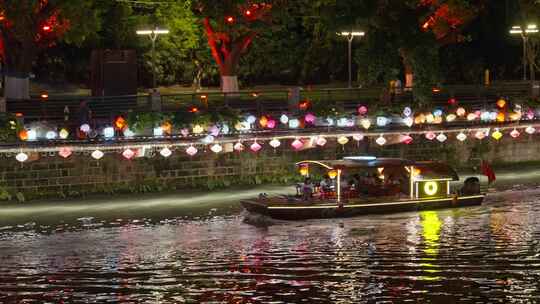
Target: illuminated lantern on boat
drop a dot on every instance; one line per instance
(128, 133)
(430, 118)
(64, 134)
(382, 121)
(255, 147)
(343, 140)
(501, 117)
(271, 124)
(167, 128)
(120, 123)
(85, 128)
(406, 139)
(501, 103)
(480, 134)
(108, 132)
(514, 116)
(332, 174)
(191, 151)
(274, 143)
(441, 137)
(451, 117)
(216, 148)
(21, 157)
(515, 133)
(362, 110)
(309, 118)
(304, 170)
(51, 135)
(497, 134)
(407, 111)
(23, 135)
(97, 154)
(358, 137)
(461, 112)
(65, 152)
(380, 140)
(321, 141)
(408, 121)
(158, 131)
(165, 152)
(197, 129)
(128, 154)
(530, 130)
(461, 136)
(431, 135)
(366, 123)
(263, 121)
(284, 119)
(297, 144)
(294, 123)
(239, 147)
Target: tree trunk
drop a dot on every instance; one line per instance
(18, 59)
(229, 84)
(407, 66)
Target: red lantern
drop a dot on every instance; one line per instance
(304, 105)
(23, 135)
(120, 123)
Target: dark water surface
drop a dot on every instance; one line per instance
(482, 254)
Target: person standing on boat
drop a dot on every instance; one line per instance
(307, 189)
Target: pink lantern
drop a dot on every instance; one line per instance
(65, 152)
(431, 135)
(310, 118)
(271, 124)
(239, 147)
(321, 141)
(255, 147)
(297, 144)
(480, 134)
(128, 154)
(214, 131)
(184, 132)
(191, 151)
(515, 133)
(362, 110)
(406, 139)
(530, 114)
(358, 137)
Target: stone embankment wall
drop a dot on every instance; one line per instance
(79, 175)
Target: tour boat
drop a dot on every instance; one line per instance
(379, 185)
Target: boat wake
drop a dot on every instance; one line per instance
(258, 220)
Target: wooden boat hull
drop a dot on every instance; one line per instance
(294, 211)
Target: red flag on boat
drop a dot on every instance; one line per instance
(488, 171)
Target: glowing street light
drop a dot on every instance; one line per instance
(153, 34)
(350, 36)
(517, 30)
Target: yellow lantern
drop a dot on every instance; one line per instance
(343, 140)
(438, 120)
(263, 121)
(461, 112)
(167, 127)
(304, 170)
(332, 174)
(198, 129)
(514, 116)
(420, 119)
(430, 118)
(497, 135)
(501, 103)
(501, 117)
(451, 117)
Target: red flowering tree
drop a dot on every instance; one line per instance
(231, 26)
(29, 26)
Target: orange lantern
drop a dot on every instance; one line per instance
(167, 127)
(501, 117)
(23, 135)
(304, 105)
(263, 121)
(501, 103)
(120, 123)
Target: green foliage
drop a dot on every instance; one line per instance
(9, 126)
(147, 120)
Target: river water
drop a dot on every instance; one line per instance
(489, 253)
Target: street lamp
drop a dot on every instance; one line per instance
(517, 30)
(350, 36)
(153, 34)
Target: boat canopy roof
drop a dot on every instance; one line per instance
(365, 162)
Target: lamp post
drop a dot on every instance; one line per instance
(153, 34)
(517, 30)
(350, 36)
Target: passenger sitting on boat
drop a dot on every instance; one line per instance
(326, 184)
(307, 189)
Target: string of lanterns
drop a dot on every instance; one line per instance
(298, 142)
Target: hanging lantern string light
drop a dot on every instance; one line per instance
(260, 136)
